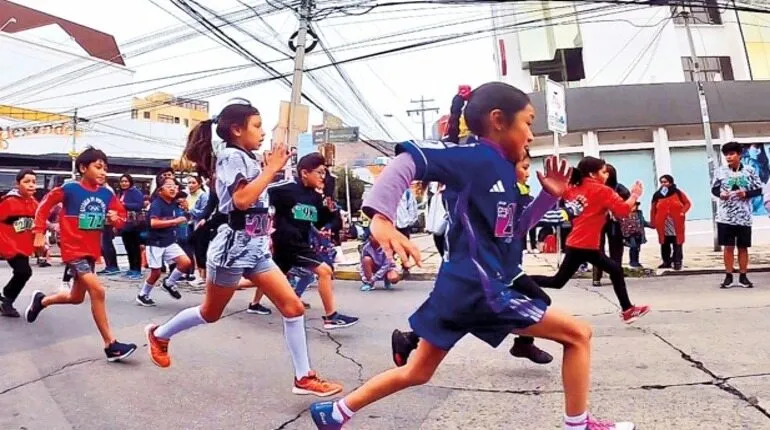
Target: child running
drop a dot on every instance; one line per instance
(298, 207)
(17, 217)
(162, 247)
(583, 243)
(375, 266)
(238, 248)
(86, 207)
(472, 292)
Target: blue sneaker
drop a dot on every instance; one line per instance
(321, 412)
(109, 271)
(388, 285)
(367, 287)
(338, 320)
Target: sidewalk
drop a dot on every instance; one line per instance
(699, 257)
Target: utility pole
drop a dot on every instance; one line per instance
(296, 84)
(421, 111)
(704, 109)
(74, 150)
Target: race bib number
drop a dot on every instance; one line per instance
(505, 219)
(257, 225)
(22, 224)
(91, 221)
(305, 213)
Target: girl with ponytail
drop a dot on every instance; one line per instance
(238, 250)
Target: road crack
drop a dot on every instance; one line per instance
(339, 352)
(53, 373)
(286, 423)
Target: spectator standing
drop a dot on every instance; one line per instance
(668, 216)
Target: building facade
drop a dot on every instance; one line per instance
(168, 109)
(630, 96)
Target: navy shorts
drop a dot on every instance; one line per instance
(443, 319)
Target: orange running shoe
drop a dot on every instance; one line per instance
(157, 348)
(312, 384)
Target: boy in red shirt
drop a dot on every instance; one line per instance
(17, 214)
(87, 206)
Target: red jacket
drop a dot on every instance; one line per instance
(599, 199)
(82, 218)
(675, 206)
(16, 219)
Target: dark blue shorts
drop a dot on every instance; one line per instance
(440, 320)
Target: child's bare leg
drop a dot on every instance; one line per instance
(418, 371)
(98, 305)
(258, 293)
(153, 277)
(73, 296)
(325, 289)
(367, 265)
(575, 336)
(393, 277)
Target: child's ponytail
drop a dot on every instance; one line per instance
(199, 148)
(455, 112)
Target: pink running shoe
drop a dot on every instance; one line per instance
(633, 314)
(593, 424)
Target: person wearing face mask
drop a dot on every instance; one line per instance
(667, 213)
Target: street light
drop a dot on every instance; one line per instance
(7, 23)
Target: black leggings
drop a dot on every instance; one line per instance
(132, 243)
(21, 274)
(200, 241)
(574, 258)
(615, 243)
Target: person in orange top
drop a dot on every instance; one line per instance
(583, 243)
(17, 213)
(667, 214)
(87, 205)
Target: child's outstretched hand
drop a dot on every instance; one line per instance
(555, 180)
(393, 242)
(637, 189)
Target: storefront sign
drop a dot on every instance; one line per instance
(11, 132)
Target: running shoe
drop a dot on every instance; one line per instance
(171, 289)
(728, 282)
(118, 351)
(35, 306)
(530, 351)
(108, 271)
(388, 285)
(312, 384)
(7, 309)
(338, 320)
(402, 346)
(593, 424)
(366, 287)
(256, 308)
(744, 282)
(157, 348)
(132, 276)
(145, 301)
(321, 412)
(632, 314)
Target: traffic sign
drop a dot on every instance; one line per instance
(343, 135)
(556, 107)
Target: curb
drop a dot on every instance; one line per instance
(629, 273)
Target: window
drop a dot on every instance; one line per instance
(165, 118)
(146, 115)
(186, 122)
(711, 69)
(176, 120)
(134, 114)
(699, 15)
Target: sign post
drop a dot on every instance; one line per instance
(556, 109)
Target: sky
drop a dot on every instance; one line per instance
(388, 83)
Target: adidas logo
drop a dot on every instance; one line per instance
(497, 188)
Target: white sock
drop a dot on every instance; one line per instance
(180, 322)
(341, 412)
(146, 289)
(296, 340)
(175, 276)
(576, 423)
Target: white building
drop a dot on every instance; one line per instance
(630, 100)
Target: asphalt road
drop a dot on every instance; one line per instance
(698, 361)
